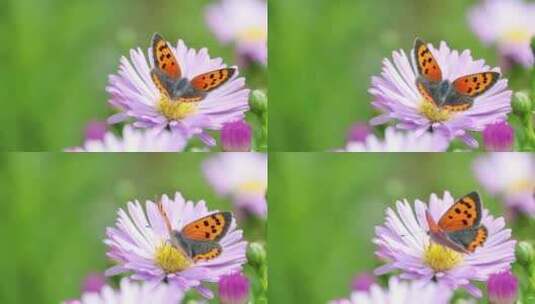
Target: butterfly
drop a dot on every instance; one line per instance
(460, 227)
(456, 96)
(167, 75)
(199, 239)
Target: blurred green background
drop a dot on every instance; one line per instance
(56, 56)
(55, 208)
(324, 207)
(323, 54)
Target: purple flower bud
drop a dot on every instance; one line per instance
(502, 288)
(362, 282)
(95, 130)
(93, 282)
(234, 289)
(499, 137)
(236, 136)
(358, 132)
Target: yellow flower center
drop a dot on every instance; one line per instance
(441, 258)
(175, 110)
(517, 35)
(521, 185)
(434, 113)
(253, 187)
(253, 34)
(171, 259)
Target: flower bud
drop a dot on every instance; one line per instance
(358, 132)
(236, 136)
(234, 289)
(256, 254)
(93, 282)
(502, 288)
(258, 101)
(95, 130)
(362, 282)
(499, 137)
(525, 253)
(521, 103)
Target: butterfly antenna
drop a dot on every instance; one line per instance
(165, 217)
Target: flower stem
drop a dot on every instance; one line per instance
(527, 121)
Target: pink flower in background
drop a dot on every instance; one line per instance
(398, 99)
(399, 141)
(141, 245)
(243, 22)
(241, 176)
(400, 292)
(404, 244)
(134, 94)
(511, 177)
(508, 24)
(135, 140)
(132, 293)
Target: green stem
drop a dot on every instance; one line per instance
(527, 120)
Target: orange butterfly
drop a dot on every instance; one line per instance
(167, 75)
(460, 227)
(456, 96)
(199, 239)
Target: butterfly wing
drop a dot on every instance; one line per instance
(164, 59)
(212, 80)
(205, 250)
(475, 84)
(209, 228)
(469, 239)
(423, 87)
(425, 62)
(464, 214)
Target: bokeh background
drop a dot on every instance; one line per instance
(321, 62)
(324, 208)
(55, 208)
(56, 56)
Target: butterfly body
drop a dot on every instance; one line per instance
(193, 248)
(168, 78)
(178, 89)
(454, 96)
(443, 93)
(199, 240)
(460, 227)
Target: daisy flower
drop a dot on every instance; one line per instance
(399, 141)
(511, 28)
(243, 177)
(510, 176)
(142, 245)
(135, 140)
(132, 293)
(134, 94)
(400, 292)
(404, 244)
(244, 22)
(397, 97)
